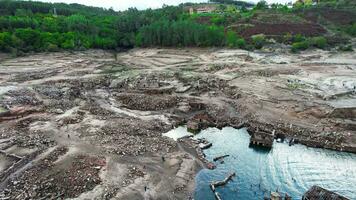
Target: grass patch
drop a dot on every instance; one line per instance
(296, 85)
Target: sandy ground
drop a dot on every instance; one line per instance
(88, 125)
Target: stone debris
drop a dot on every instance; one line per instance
(98, 104)
(79, 176)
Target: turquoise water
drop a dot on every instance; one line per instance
(288, 169)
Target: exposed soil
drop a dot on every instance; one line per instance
(89, 124)
(281, 29)
(337, 16)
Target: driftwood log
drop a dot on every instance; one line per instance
(216, 184)
(206, 146)
(220, 157)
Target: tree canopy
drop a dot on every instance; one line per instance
(27, 26)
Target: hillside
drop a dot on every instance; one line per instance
(173, 102)
(36, 26)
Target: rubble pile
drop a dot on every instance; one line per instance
(147, 102)
(21, 77)
(118, 105)
(124, 137)
(135, 172)
(20, 97)
(50, 92)
(33, 184)
(46, 180)
(95, 109)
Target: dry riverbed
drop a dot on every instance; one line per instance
(87, 125)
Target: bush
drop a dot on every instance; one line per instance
(351, 30)
(258, 41)
(319, 42)
(287, 38)
(218, 20)
(298, 38)
(345, 48)
(52, 47)
(298, 46)
(232, 40)
(104, 43)
(241, 43)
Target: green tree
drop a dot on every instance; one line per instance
(30, 38)
(261, 5)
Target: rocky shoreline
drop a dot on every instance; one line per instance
(115, 107)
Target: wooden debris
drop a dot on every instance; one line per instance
(220, 157)
(206, 146)
(216, 184)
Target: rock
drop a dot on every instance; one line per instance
(183, 89)
(58, 111)
(193, 127)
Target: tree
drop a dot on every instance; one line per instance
(261, 5)
(78, 23)
(30, 37)
(5, 41)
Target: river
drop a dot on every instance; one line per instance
(288, 169)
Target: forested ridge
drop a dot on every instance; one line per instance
(28, 26)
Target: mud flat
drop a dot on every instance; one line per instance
(105, 112)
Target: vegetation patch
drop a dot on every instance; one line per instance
(37, 26)
(294, 85)
(283, 28)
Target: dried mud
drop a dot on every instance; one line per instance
(89, 124)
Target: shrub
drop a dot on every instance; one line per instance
(232, 40)
(104, 43)
(287, 38)
(298, 46)
(241, 43)
(218, 20)
(319, 42)
(258, 41)
(51, 47)
(351, 30)
(345, 48)
(298, 38)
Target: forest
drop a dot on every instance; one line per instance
(28, 26)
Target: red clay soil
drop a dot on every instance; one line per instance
(340, 17)
(282, 29)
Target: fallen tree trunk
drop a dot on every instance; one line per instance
(220, 157)
(216, 184)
